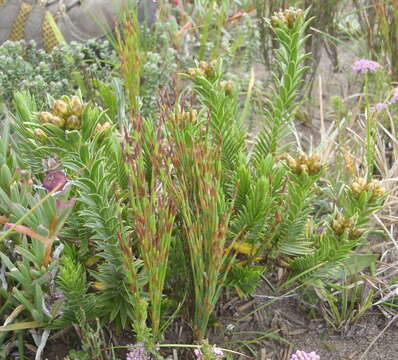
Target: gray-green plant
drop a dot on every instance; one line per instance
(23, 66)
(343, 304)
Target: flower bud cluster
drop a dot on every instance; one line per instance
(103, 128)
(361, 186)
(287, 17)
(182, 115)
(304, 164)
(227, 86)
(65, 114)
(208, 70)
(343, 225)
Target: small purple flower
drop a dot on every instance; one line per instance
(380, 107)
(198, 354)
(394, 98)
(55, 178)
(363, 66)
(302, 355)
(137, 352)
(218, 352)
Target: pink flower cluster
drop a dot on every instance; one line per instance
(302, 355)
(217, 352)
(394, 98)
(363, 66)
(137, 352)
(381, 106)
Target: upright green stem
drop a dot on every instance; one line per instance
(21, 346)
(370, 133)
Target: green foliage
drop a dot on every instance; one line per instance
(33, 283)
(73, 285)
(84, 154)
(287, 77)
(244, 279)
(291, 238)
(220, 101)
(335, 246)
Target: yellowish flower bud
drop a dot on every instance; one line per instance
(314, 158)
(356, 188)
(314, 168)
(228, 87)
(349, 161)
(356, 233)
(377, 190)
(192, 71)
(314, 164)
(57, 121)
(338, 228)
(302, 158)
(347, 223)
(292, 163)
(193, 114)
(203, 66)
(72, 123)
(209, 72)
(106, 126)
(76, 106)
(45, 117)
(60, 108)
(341, 225)
(103, 128)
(40, 134)
(359, 186)
(303, 168)
(98, 128)
(99, 285)
(287, 17)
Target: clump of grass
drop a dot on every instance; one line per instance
(152, 205)
(205, 213)
(129, 50)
